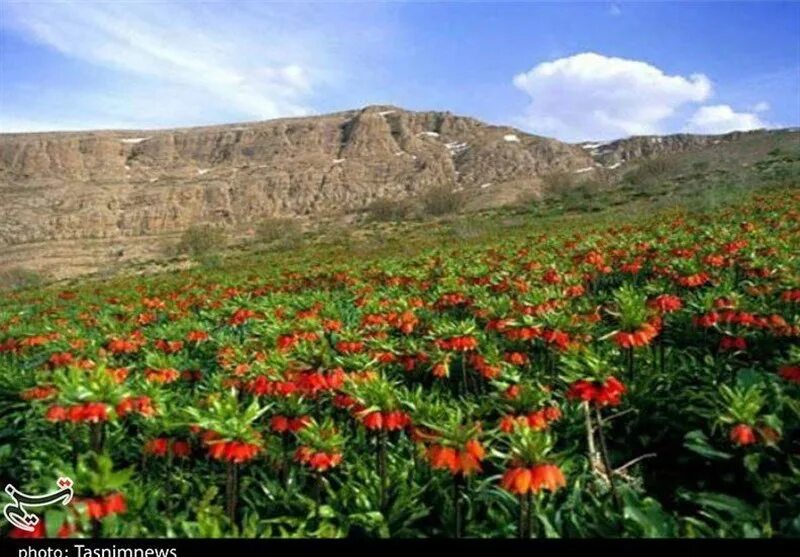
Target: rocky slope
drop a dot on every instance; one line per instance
(76, 202)
(613, 154)
(122, 188)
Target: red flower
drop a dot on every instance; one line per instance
(516, 358)
(732, 343)
(279, 424)
(790, 373)
(115, 504)
(606, 393)
(462, 343)
(39, 531)
(56, 414)
(640, 337)
(99, 507)
(666, 303)
(742, 434)
(465, 462)
(521, 480)
(317, 461)
(547, 476)
(181, 449)
(396, 420)
(443, 458)
(373, 421)
(197, 336)
(517, 480)
(157, 447)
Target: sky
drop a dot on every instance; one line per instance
(576, 71)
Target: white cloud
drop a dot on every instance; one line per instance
(614, 10)
(591, 96)
(763, 106)
(721, 118)
(180, 63)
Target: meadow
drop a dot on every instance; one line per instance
(617, 377)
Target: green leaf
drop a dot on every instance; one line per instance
(53, 519)
(697, 442)
(722, 502)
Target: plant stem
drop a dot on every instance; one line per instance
(383, 476)
(97, 435)
(606, 461)
(631, 372)
(529, 513)
(458, 503)
(231, 489)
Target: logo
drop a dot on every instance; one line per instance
(16, 513)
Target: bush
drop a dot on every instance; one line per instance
(442, 200)
(288, 232)
(650, 170)
(557, 181)
(388, 210)
(17, 278)
(200, 241)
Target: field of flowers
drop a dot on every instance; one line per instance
(639, 380)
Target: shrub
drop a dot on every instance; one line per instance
(387, 210)
(17, 278)
(650, 170)
(288, 232)
(200, 241)
(442, 200)
(557, 181)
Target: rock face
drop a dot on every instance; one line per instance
(120, 184)
(73, 202)
(117, 188)
(634, 148)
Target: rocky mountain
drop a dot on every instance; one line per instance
(613, 154)
(117, 190)
(74, 202)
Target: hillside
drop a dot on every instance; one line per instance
(79, 202)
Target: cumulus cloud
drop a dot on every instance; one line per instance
(591, 96)
(721, 118)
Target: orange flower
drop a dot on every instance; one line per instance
(464, 462)
(742, 435)
(521, 480)
(445, 458)
(517, 480)
(547, 476)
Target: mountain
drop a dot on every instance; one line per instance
(75, 201)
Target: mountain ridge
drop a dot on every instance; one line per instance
(117, 190)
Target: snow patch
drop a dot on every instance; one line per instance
(386, 112)
(511, 138)
(201, 171)
(615, 165)
(429, 134)
(338, 161)
(582, 170)
(456, 148)
(486, 185)
(153, 180)
(134, 140)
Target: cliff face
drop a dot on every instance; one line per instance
(72, 203)
(630, 149)
(118, 185)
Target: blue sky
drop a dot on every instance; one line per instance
(572, 70)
